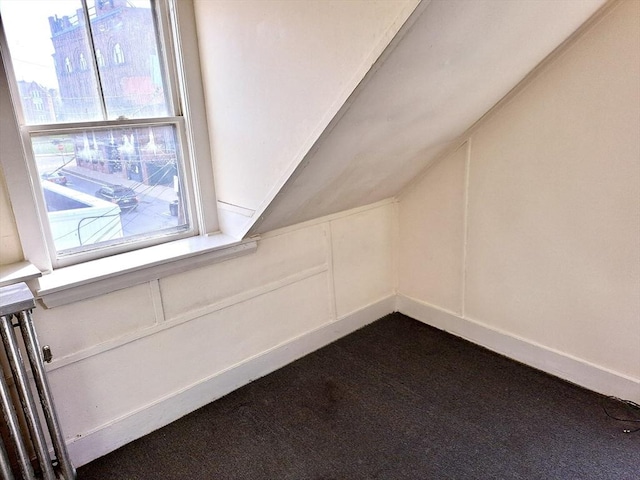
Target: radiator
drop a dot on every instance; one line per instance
(25, 455)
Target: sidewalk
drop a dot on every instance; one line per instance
(159, 191)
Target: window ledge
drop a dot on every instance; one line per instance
(18, 272)
(98, 277)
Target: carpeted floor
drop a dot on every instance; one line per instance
(395, 400)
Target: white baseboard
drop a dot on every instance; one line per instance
(148, 418)
(572, 369)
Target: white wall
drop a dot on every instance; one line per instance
(275, 74)
(10, 249)
(133, 360)
(527, 238)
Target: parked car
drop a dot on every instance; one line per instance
(55, 177)
(125, 197)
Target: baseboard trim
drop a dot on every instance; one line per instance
(118, 432)
(572, 369)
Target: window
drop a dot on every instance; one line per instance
(100, 58)
(38, 104)
(114, 170)
(118, 55)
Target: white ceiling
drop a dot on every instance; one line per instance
(455, 62)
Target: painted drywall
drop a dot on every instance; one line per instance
(275, 74)
(550, 241)
(453, 64)
(431, 224)
(10, 249)
(133, 360)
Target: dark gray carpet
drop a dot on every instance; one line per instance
(395, 400)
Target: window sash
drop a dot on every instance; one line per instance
(69, 257)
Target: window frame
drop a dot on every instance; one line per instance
(176, 20)
(59, 260)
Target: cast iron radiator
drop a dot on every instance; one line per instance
(27, 437)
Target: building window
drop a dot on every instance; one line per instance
(100, 58)
(118, 54)
(38, 104)
(121, 142)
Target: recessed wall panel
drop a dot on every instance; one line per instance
(277, 257)
(81, 325)
(362, 258)
(431, 240)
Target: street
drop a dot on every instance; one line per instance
(152, 213)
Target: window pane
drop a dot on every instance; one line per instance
(111, 185)
(49, 46)
(130, 68)
(48, 41)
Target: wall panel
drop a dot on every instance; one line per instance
(276, 258)
(78, 326)
(431, 219)
(10, 249)
(362, 258)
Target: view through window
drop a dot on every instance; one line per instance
(97, 109)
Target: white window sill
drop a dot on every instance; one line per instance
(98, 277)
(18, 272)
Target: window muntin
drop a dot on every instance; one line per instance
(146, 154)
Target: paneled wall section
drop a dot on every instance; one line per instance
(122, 356)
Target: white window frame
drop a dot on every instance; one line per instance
(116, 271)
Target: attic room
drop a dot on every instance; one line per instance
(473, 165)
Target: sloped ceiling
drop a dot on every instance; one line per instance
(448, 67)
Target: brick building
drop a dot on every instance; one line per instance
(126, 56)
(38, 102)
